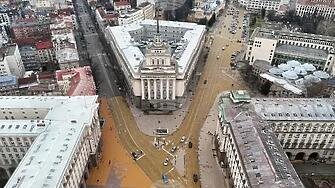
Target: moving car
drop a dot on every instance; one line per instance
(173, 149)
(183, 138)
(165, 179)
(166, 161)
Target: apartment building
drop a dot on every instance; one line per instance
(30, 30)
(324, 8)
(48, 141)
(142, 12)
(11, 62)
(278, 47)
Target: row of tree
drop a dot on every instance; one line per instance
(308, 23)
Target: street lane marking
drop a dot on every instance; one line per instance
(140, 156)
(170, 170)
(167, 152)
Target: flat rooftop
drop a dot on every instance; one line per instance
(272, 33)
(311, 53)
(295, 109)
(262, 156)
(57, 136)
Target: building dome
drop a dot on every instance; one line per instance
(300, 70)
(321, 74)
(284, 67)
(291, 75)
(276, 71)
(293, 63)
(309, 67)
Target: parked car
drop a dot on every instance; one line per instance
(190, 144)
(165, 179)
(195, 177)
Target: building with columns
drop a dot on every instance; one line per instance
(157, 60)
(48, 141)
(248, 148)
(288, 129)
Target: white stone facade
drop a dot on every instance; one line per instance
(276, 47)
(257, 5)
(162, 74)
(325, 8)
(136, 15)
(43, 145)
(250, 150)
(11, 62)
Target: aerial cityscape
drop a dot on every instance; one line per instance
(167, 93)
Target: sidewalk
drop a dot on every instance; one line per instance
(149, 123)
(211, 174)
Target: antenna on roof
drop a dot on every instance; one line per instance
(157, 20)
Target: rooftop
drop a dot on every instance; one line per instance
(329, 3)
(240, 96)
(43, 45)
(57, 136)
(294, 50)
(292, 76)
(7, 81)
(67, 55)
(295, 109)
(82, 82)
(273, 33)
(262, 157)
(190, 37)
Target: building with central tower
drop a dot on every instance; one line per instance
(157, 59)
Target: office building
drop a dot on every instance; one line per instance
(257, 6)
(48, 141)
(324, 8)
(255, 137)
(249, 148)
(157, 60)
(278, 47)
(292, 79)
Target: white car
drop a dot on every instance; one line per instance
(173, 149)
(166, 162)
(183, 138)
(222, 48)
(217, 57)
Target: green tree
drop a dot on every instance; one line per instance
(203, 21)
(271, 15)
(263, 11)
(211, 20)
(265, 88)
(253, 20)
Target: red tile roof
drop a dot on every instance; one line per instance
(82, 82)
(103, 14)
(43, 45)
(121, 3)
